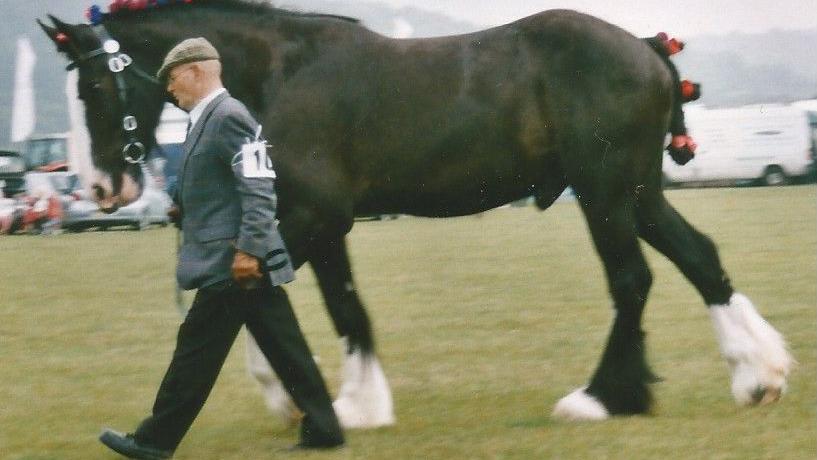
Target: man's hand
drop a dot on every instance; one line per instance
(246, 269)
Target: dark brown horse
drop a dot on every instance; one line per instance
(362, 124)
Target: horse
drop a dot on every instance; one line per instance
(362, 124)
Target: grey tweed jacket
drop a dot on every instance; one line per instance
(221, 208)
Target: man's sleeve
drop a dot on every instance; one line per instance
(258, 200)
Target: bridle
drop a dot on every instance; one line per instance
(133, 152)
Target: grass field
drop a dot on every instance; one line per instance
(483, 323)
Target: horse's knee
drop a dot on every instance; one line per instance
(630, 287)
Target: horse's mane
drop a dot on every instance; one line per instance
(252, 7)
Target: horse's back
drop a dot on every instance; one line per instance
(455, 125)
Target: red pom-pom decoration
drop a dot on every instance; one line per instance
(690, 91)
(682, 149)
(684, 141)
(674, 46)
(136, 5)
(62, 38)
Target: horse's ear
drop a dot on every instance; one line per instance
(63, 35)
(50, 31)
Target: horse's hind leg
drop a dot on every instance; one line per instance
(756, 352)
(364, 399)
(619, 385)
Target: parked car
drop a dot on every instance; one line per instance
(78, 212)
(12, 170)
(151, 208)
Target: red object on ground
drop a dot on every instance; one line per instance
(54, 211)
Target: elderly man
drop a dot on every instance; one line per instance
(234, 256)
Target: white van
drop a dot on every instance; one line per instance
(767, 143)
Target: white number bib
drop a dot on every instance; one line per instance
(255, 161)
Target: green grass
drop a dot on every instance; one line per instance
(483, 323)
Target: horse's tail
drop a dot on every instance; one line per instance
(682, 147)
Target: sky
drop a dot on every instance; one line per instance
(642, 17)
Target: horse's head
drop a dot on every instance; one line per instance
(122, 108)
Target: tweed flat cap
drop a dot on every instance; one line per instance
(190, 50)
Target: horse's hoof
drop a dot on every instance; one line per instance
(756, 352)
(580, 406)
(364, 400)
(762, 396)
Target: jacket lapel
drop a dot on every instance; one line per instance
(195, 133)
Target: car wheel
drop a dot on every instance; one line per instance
(774, 175)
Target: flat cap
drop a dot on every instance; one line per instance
(190, 50)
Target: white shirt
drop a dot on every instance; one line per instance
(195, 114)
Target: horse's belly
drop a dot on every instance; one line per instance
(445, 193)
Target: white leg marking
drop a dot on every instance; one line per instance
(755, 351)
(276, 397)
(578, 406)
(364, 400)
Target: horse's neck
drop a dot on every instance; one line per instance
(246, 55)
(251, 53)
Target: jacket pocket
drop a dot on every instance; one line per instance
(216, 232)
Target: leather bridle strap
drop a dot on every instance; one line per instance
(133, 152)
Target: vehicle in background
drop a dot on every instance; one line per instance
(56, 200)
(170, 135)
(47, 153)
(42, 205)
(12, 170)
(810, 106)
(150, 209)
(765, 144)
(11, 215)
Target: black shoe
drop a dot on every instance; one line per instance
(126, 445)
(304, 446)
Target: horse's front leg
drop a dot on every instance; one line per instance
(364, 399)
(314, 233)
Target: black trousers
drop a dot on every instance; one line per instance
(204, 340)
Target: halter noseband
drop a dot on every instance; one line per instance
(134, 151)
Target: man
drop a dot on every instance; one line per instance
(234, 256)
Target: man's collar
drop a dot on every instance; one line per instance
(195, 114)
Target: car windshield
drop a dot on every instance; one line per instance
(40, 152)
